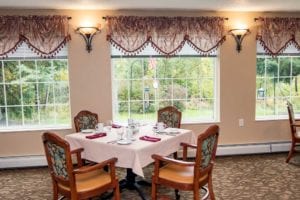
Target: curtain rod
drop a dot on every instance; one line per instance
(226, 18)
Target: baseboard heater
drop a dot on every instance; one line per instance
(223, 150)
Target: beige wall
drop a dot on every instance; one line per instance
(90, 82)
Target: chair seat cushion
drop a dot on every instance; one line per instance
(179, 174)
(90, 181)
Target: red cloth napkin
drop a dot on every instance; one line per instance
(96, 135)
(150, 139)
(116, 126)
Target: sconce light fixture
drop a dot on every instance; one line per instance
(88, 33)
(239, 35)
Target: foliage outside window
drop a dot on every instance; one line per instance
(34, 92)
(277, 80)
(185, 81)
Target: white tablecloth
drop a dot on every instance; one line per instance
(135, 155)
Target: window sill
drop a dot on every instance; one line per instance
(34, 129)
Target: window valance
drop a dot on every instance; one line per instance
(45, 35)
(167, 35)
(276, 34)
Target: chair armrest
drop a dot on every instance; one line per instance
(79, 150)
(111, 162)
(296, 125)
(78, 156)
(185, 149)
(158, 158)
(183, 144)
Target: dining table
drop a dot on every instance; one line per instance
(133, 153)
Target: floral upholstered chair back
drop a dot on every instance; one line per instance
(169, 115)
(85, 120)
(207, 147)
(58, 156)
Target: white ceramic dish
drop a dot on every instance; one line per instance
(173, 131)
(87, 131)
(124, 142)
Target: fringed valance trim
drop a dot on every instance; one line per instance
(167, 35)
(277, 34)
(34, 30)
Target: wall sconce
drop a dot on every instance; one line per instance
(88, 33)
(239, 35)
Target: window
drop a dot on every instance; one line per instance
(34, 92)
(277, 80)
(142, 84)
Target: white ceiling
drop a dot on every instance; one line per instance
(216, 5)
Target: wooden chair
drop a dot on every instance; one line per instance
(85, 120)
(294, 123)
(169, 115)
(82, 182)
(183, 175)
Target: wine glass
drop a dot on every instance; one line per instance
(108, 125)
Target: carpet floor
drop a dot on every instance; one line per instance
(259, 177)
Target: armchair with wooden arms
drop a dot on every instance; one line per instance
(190, 176)
(170, 116)
(294, 124)
(85, 120)
(82, 182)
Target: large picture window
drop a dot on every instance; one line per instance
(277, 81)
(145, 83)
(34, 92)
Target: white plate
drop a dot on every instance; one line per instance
(124, 142)
(87, 131)
(173, 131)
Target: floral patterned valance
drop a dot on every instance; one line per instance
(276, 34)
(45, 35)
(167, 35)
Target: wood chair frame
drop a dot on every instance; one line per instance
(68, 187)
(294, 124)
(198, 172)
(79, 115)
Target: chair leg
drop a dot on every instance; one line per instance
(177, 195)
(117, 192)
(196, 194)
(291, 152)
(210, 188)
(55, 192)
(154, 190)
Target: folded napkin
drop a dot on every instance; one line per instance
(96, 135)
(116, 126)
(150, 139)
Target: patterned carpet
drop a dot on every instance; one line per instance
(259, 177)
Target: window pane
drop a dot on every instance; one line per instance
(63, 114)
(60, 70)
(2, 116)
(13, 94)
(11, 71)
(47, 115)
(14, 115)
(45, 72)
(1, 72)
(31, 116)
(2, 97)
(61, 91)
(46, 95)
(285, 66)
(29, 93)
(28, 71)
